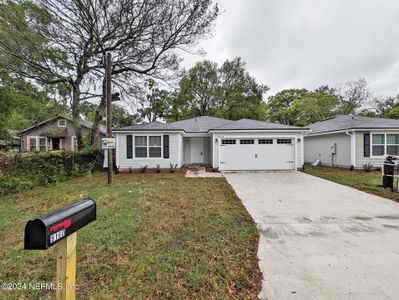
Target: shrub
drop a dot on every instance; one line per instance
(143, 169)
(10, 185)
(367, 167)
(24, 171)
(158, 168)
(173, 167)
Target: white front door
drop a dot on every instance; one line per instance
(257, 154)
(197, 150)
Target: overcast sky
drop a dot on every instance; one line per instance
(308, 43)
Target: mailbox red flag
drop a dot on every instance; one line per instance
(65, 224)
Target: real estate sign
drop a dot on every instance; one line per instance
(108, 143)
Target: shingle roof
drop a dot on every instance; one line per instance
(84, 123)
(200, 124)
(247, 124)
(204, 124)
(153, 126)
(344, 122)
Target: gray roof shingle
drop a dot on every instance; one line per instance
(84, 123)
(153, 126)
(200, 124)
(247, 124)
(204, 124)
(344, 122)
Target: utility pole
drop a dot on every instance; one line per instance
(109, 113)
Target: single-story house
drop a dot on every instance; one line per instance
(228, 145)
(57, 133)
(348, 140)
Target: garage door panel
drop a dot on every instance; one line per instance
(257, 156)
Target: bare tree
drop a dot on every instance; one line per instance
(353, 95)
(65, 42)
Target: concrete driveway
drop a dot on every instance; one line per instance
(319, 239)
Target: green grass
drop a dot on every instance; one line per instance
(157, 236)
(370, 182)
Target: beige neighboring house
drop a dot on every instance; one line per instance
(54, 134)
(348, 140)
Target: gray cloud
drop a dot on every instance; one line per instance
(307, 43)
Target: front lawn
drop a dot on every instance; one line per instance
(157, 236)
(370, 182)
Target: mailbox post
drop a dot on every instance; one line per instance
(59, 227)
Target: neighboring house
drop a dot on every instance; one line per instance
(56, 133)
(347, 140)
(13, 144)
(224, 144)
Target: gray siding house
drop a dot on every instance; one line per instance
(228, 145)
(347, 140)
(56, 133)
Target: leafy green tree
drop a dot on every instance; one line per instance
(280, 106)
(23, 104)
(121, 117)
(199, 88)
(239, 95)
(227, 92)
(154, 104)
(314, 107)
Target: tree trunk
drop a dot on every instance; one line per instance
(76, 114)
(95, 130)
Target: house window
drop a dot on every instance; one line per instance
(385, 144)
(154, 143)
(392, 144)
(42, 144)
(228, 142)
(147, 146)
(140, 146)
(265, 141)
(378, 144)
(247, 142)
(61, 123)
(32, 144)
(284, 141)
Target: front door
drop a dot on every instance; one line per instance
(56, 143)
(197, 150)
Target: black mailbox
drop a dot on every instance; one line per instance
(47, 230)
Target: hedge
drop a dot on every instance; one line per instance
(25, 171)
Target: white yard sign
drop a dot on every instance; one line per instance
(108, 143)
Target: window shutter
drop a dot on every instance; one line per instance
(366, 144)
(166, 146)
(129, 146)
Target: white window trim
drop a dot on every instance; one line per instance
(385, 144)
(58, 123)
(148, 147)
(37, 138)
(72, 143)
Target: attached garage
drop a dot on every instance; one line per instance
(249, 145)
(254, 153)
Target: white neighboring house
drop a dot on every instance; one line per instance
(347, 140)
(228, 145)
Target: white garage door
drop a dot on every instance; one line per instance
(257, 154)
